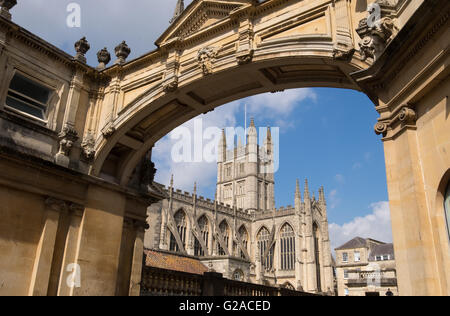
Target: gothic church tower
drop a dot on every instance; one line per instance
(245, 173)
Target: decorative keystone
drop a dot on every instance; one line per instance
(103, 57)
(122, 52)
(82, 47)
(5, 6)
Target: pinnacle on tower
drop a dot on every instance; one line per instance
(178, 10)
(195, 188)
(269, 134)
(306, 194)
(171, 181)
(252, 122)
(322, 195)
(298, 194)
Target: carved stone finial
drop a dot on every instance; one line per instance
(5, 6)
(179, 9)
(82, 47)
(122, 52)
(103, 57)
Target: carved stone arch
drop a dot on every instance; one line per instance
(260, 228)
(286, 222)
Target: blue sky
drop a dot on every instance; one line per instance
(326, 134)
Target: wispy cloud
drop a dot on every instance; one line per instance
(376, 225)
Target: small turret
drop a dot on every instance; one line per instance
(222, 150)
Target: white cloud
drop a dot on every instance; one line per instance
(376, 225)
(282, 104)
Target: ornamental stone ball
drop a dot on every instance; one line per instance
(122, 52)
(82, 47)
(5, 6)
(103, 57)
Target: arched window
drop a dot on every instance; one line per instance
(288, 286)
(180, 220)
(447, 207)
(226, 237)
(263, 243)
(317, 255)
(287, 248)
(173, 243)
(238, 275)
(244, 238)
(204, 231)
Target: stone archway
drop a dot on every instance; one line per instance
(98, 145)
(217, 52)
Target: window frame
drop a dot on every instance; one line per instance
(345, 257)
(52, 91)
(355, 256)
(447, 209)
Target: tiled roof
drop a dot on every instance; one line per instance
(356, 242)
(382, 250)
(168, 261)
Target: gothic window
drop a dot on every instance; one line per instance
(228, 170)
(289, 286)
(317, 256)
(238, 275)
(173, 243)
(226, 237)
(263, 244)
(447, 207)
(204, 231)
(244, 238)
(287, 247)
(28, 97)
(180, 220)
(198, 250)
(242, 170)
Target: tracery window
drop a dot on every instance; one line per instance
(226, 237)
(244, 238)
(28, 97)
(287, 248)
(180, 220)
(263, 244)
(447, 207)
(204, 231)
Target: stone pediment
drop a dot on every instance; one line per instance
(200, 15)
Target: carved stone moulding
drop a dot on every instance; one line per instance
(205, 58)
(245, 57)
(170, 85)
(406, 117)
(67, 138)
(88, 148)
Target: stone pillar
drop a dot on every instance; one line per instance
(98, 250)
(70, 248)
(40, 277)
(409, 208)
(137, 260)
(69, 134)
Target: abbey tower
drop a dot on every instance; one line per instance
(243, 175)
